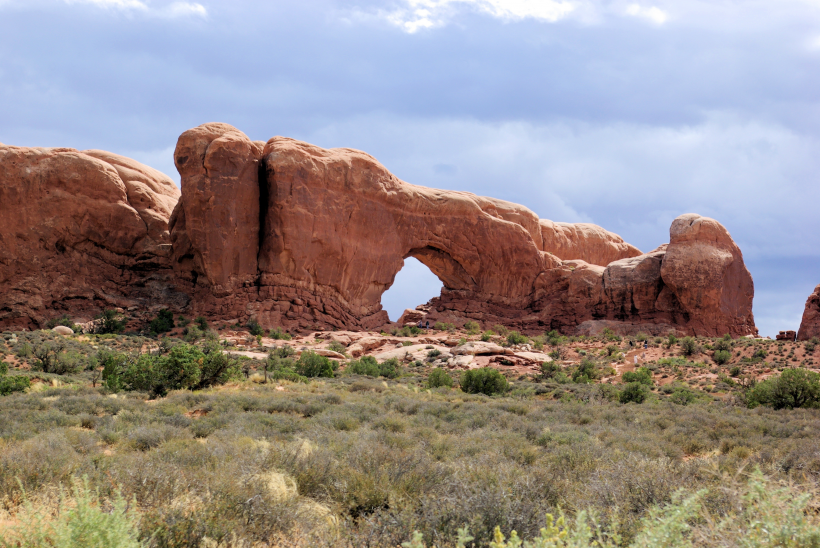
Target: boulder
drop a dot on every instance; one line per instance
(365, 344)
(63, 330)
(328, 353)
(810, 324)
(477, 348)
(786, 336)
(412, 317)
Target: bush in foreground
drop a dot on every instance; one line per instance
(485, 380)
(82, 519)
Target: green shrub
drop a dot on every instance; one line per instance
(112, 322)
(485, 380)
(558, 353)
(336, 346)
(722, 356)
(634, 392)
(500, 329)
(4, 368)
(472, 327)
(280, 366)
(723, 344)
(793, 388)
(443, 326)
(487, 335)
(689, 346)
(406, 331)
(51, 357)
(608, 335)
(192, 334)
(759, 354)
(163, 323)
(13, 384)
(367, 365)
(586, 372)
(439, 377)
(217, 367)
(277, 334)
(682, 396)
(113, 364)
(612, 350)
(433, 354)
(549, 370)
(735, 371)
(514, 337)
(182, 321)
(254, 328)
(811, 344)
(201, 323)
(310, 365)
(641, 375)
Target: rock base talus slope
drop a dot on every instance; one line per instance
(82, 231)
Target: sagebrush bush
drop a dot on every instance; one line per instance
(485, 380)
(514, 337)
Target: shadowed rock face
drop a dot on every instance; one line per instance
(81, 231)
(293, 234)
(810, 325)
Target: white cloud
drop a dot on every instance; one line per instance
(425, 14)
(651, 13)
(173, 10)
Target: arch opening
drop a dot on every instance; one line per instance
(414, 284)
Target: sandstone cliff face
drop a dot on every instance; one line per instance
(80, 231)
(810, 325)
(293, 234)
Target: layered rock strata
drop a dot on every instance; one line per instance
(82, 231)
(810, 325)
(293, 234)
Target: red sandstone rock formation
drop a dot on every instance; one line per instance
(298, 236)
(810, 325)
(332, 228)
(80, 231)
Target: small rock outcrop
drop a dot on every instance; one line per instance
(810, 325)
(79, 232)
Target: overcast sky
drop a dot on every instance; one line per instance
(619, 113)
